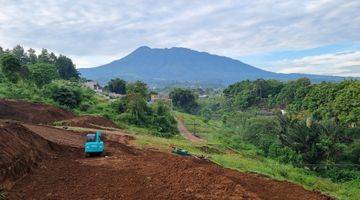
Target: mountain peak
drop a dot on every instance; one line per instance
(143, 48)
(178, 64)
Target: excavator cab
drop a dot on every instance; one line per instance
(94, 145)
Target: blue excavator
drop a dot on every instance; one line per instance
(93, 145)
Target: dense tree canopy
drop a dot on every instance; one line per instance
(184, 99)
(65, 67)
(117, 86)
(138, 87)
(11, 68)
(322, 101)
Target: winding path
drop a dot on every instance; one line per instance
(186, 133)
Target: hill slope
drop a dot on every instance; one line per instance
(184, 65)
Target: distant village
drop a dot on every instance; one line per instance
(112, 96)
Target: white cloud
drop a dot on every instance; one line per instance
(110, 29)
(342, 64)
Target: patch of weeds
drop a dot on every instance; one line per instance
(283, 173)
(58, 123)
(209, 150)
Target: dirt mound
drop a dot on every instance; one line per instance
(58, 136)
(21, 150)
(90, 122)
(32, 112)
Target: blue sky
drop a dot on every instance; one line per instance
(320, 37)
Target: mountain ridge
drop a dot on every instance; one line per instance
(178, 64)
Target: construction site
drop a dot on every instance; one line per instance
(40, 161)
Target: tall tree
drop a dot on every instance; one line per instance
(137, 108)
(52, 58)
(44, 56)
(1, 51)
(20, 54)
(184, 99)
(117, 86)
(139, 88)
(32, 56)
(11, 67)
(66, 68)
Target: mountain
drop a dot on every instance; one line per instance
(181, 65)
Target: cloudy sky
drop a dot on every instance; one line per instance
(318, 36)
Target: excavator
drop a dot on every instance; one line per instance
(93, 145)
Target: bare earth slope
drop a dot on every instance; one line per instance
(32, 112)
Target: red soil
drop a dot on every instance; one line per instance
(36, 113)
(32, 112)
(20, 150)
(90, 122)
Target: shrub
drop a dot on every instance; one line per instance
(43, 73)
(342, 175)
(84, 106)
(11, 68)
(162, 120)
(67, 97)
(285, 155)
(64, 93)
(119, 105)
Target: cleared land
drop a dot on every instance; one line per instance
(43, 162)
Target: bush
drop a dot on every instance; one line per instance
(119, 105)
(285, 155)
(162, 120)
(22, 90)
(12, 69)
(65, 93)
(342, 175)
(43, 73)
(84, 106)
(67, 97)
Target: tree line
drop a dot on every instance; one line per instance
(18, 64)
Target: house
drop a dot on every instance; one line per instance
(156, 97)
(93, 85)
(115, 95)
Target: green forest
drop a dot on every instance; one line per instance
(308, 126)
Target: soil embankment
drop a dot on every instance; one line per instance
(32, 112)
(90, 122)
(21, 150)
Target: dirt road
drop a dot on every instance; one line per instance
(186, 133)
